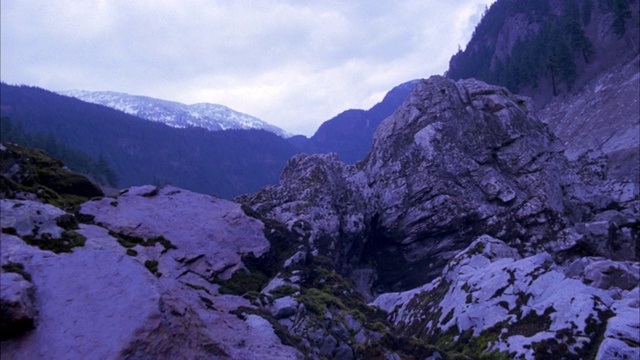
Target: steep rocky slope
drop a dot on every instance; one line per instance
(528, 45)
(577, 60)
(602, 118)
(466, 229)
(456, 161)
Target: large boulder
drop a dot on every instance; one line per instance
(210, 234)
(457, 160)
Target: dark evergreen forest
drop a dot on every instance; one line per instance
(224, 163)
(75, 159)
(550, 53)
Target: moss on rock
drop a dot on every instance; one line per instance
(16, 268)
(25, 170)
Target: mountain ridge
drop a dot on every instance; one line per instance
(213, 117)
(227, 163)
(350, 133)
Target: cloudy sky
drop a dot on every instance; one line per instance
(291, 63)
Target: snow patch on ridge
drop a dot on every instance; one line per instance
(212, 117)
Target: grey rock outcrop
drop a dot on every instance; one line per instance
(210, 234)
(17, 311)
(31, 218)
(462, 159)
(457, 160)
(522, 306)
(142, 286)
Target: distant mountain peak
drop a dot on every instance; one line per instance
(213, 117)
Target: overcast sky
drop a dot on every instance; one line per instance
(291, 63)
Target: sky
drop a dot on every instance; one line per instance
(294, 64)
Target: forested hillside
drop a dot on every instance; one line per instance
(77, 160)
(226, 163)
(522, 43)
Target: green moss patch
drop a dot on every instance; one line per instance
(10, 231)
(16, 268)
(319, 302)
(67, 241)
(242, 282)
(129, 241)
(152, 266)
(67, 222)
(532, 323)
(477, 249)
(284, 290)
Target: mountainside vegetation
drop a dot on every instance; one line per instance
(519, 43)
(33, 174)
(77, 160)
(225, 163)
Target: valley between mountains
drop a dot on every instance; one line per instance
(441, 243)
(456, 219)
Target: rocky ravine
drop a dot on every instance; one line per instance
(466, 226)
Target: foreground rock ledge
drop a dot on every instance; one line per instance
(98, 302)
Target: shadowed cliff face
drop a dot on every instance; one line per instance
(455, 161)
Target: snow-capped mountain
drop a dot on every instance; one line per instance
(213, 117)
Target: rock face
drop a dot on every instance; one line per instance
(17, 312)
(456, 161)
(210, 234)
(602, 119)
(140, 286)
(522, 306)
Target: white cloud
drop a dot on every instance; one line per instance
(291, 63)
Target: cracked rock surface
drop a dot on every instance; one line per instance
(456, 161)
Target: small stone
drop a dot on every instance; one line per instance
(284, 307)
(16, 305)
